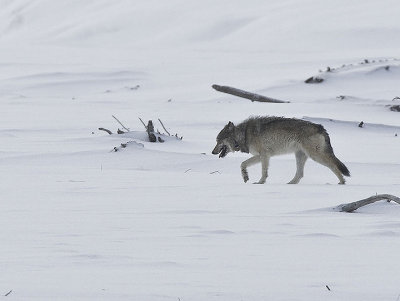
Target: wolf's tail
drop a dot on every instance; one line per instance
(343, 169)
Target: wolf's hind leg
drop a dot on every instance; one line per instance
(249, 162)
(264, 169)
(320, 150)
(301, 159)
(328, 159)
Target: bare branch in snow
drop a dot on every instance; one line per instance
(106, 130)
(247, 95)
(395, 108)
(120, 131)
(8, 293)
(145, 126)
(162, 124)
(152, 134)
(120, 123)
(350, 207)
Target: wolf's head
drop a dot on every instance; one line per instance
(226, 141)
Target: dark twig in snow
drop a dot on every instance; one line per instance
(120, 131)
(162, 124)
(395, 108)
(8, 293)
(120, 123)
(327, 287)
(145, 126)
(106, 130)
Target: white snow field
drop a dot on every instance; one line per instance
(170, 221)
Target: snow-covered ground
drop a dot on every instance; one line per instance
(169, 221)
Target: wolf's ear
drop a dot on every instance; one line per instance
(231, 126)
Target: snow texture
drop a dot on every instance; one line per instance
(170, 221)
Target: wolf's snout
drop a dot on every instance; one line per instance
(215, 151)
(221, 150)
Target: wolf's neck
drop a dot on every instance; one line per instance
(240, 135)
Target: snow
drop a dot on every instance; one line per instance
(169, 221)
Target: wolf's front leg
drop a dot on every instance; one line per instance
(264, 169)
(249, 162)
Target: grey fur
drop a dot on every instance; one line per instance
(264, 137)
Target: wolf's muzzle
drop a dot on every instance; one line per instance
(222, 151)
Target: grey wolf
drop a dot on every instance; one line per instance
(264, 137)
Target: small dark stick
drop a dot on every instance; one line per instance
(164, 127)
(143, 123)
(361, 124)
(120, 123)
(8, 293)
(314, 80)
(327, 287)
(106, 130)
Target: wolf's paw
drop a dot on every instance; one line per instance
(259, 182)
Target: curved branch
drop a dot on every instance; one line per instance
(106, 130)
(350, 207)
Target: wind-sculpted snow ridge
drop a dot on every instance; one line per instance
(371, 67)
(369, 127)
(74, 83)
